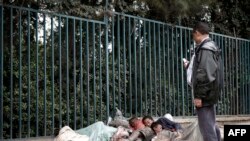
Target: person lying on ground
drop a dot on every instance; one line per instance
(163, 134)
(139, 130)
(165, 122)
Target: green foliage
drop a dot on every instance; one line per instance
(226, 17)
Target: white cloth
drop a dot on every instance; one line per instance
(169, 116)
(190, 71)
(67, 134)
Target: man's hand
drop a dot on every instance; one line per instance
(185, 63)
(198, 102)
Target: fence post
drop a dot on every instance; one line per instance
(237, 77)
(107, 59)
(1, 72)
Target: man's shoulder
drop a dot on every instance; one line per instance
(210, 45)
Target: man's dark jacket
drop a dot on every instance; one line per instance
(204, 74)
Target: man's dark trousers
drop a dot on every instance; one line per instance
(207, 123)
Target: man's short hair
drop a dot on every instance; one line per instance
(201, 27)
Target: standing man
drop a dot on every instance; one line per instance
(203, 81)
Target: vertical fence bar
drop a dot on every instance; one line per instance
(177, 72)
(1, 72)
(159, 59)
(223, 48)
(119, 61)
(28, 106)
(107, 67)
(242, 76)
(37, 77)
(106, 59)
(240, 95)
(100, 66)
(124, 64)
(113, 62)
(135, 64)
(178, 60)
(173, 70)
(191, 47)
(20, 73)
(155, 68)
(230, 76)
(187, 55)
(60, 70)
(81, 75)
(173, 74)
(150, 68)
(184, 51)
(245, 78)
(234, 110)
(182, 73)
(241, 71)
(168, 66)
(88, 78)
(145, 66)
(45, 73)
(67, 68)
(227, 74)
(225, 71)
(74, 70)
(233, 75)
(52, 77)
(94, 68)
(130, 66)
(140, 66)
(246, 74)
(11, 72)
(189, 90)
(164, 68)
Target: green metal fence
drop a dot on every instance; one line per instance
(61, 70)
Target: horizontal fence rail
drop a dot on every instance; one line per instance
(61, 70)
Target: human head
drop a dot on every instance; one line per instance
(157, 127)
(132, 121)
(147, 120)
(200, 31)
(136, 123)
